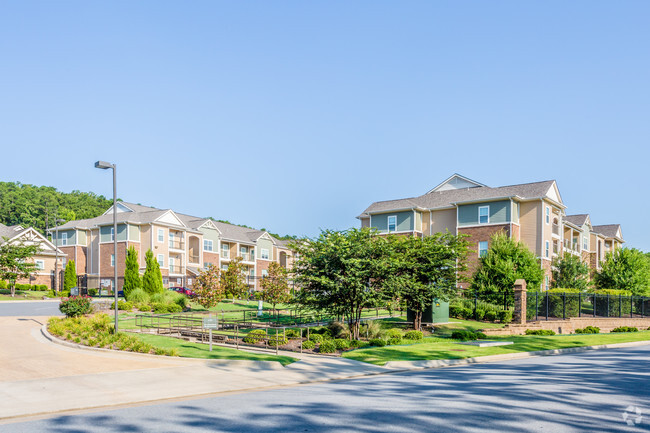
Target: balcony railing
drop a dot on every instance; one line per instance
(176, 244)
(556, 229)
(175, 269)
(247, 257)
(225, 254)
(194, 258)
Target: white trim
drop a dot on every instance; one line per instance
(444, 182)
(163, 260)
(388, 224)
(211, 250)
(486, 225)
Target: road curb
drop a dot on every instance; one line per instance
(267, 365)
(439, 363)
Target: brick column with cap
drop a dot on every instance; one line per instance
(519, 316)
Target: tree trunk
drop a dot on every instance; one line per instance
(417, 321)
(13, 289)
(354, 330)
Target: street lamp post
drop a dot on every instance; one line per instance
(105, 166)
(57, 221)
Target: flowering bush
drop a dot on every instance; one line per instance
(75, 306)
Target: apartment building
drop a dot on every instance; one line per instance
(533, 213)
(182, 244)
(44, 260)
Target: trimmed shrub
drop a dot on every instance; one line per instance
(491, 316)
(327, 346)
(414, 335)
(309, 345)
(618, 305)
(539, 332)
(505, 316)
(138, 296)
(625, 329)
(316, 338)
(588, 330)
(255, 336)
(292, 333)
(92, 292)
(394, 333)
(3, 284)
(393, 341)
(75, 306)
(378, 342)
(356, 344)
(160, 308)
(464, 335)
(144, 307)
(560, 305)
(122, 305)
(281, 340)
(342, 343)
(174, 308)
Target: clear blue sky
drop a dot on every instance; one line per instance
(295, 116)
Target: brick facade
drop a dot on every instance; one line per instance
(476, 235)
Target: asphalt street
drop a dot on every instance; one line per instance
(598, 391)
(37, 308)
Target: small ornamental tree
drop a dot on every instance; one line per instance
(233, 279)
(505, 262)
(15, 262)
(570, 272)
(625, 269)
(132, 278)
(70, 276)
(275, 286)
(425, 270)
(152, 278)
(208, 288)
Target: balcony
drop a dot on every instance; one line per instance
(176, 244)
(176, 270)
(194, 258)
(555, 229)
(225, 254)
(248, 257)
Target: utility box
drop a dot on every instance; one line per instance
(438, 312)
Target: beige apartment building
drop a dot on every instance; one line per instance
(533, 213)
(182, 244)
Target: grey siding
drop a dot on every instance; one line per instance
(499, 213)
(72, 237)
(404, 221)
(134, 233)
(105, 233)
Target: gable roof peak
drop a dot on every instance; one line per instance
(456, 181)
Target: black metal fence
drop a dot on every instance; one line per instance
(555, 306)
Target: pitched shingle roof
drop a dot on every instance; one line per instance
(607, 230)
(10, 231)
(444, 199)
(578, 219)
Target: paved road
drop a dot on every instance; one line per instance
(25, 308)
(583, 392)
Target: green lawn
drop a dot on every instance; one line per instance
(438, 348)
(470, 325)
(21, 295)
(196, 350)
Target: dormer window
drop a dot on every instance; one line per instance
(484, 214)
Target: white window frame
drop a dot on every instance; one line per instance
(585, 244)
(388, 224)
(161, 260)
(487, 215)
(224, 267)
(112, 260)
(112, 234)
(64, 239)
(172, 264)
(64, 262)
(548, 215)
(206, 264)
(480, 244)
(40, 264)
(264, 254)
(265, 273)
(546, 249)
(207, 242)
(161, 236)
(225, 250)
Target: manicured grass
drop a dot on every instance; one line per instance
(196, 350)
(469, 325)
(21, 295)
(438, 348)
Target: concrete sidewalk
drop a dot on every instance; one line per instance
(40, 377)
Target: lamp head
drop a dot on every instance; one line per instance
(103, 165)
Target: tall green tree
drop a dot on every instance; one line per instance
(15, 262)
(570, 272)
(208, 288)
(70, 276)
(132, 279)
(625, 269)
(233, 279)
(342, 272)
(426, 269)
(152, 279)
(505, 262)
(275, 286)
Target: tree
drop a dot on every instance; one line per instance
(233, 279)
(132, 278)
(208, 288)
(70, 276)
(505, 262)
(152, 278)
(342, 273)
(625, 269)
(275, 286)
(426, 269)
(570, 272)
(15, 262)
